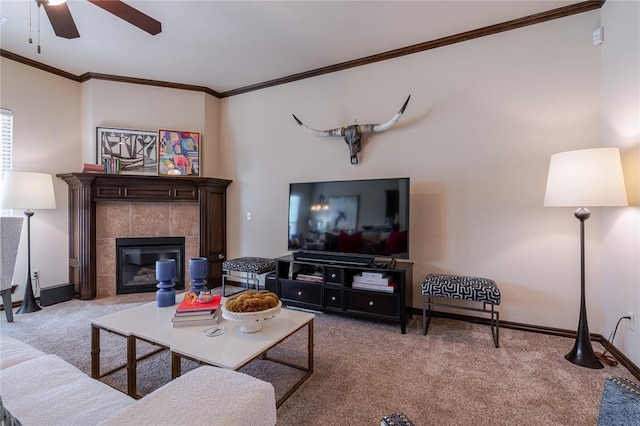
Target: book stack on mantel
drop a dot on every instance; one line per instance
(190, 313)
(112, 165)
(93, 168)
(375, 281)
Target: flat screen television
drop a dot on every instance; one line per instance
(350, 219)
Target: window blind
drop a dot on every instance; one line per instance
(6, 147)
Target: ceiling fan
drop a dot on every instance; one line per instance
(64, 25)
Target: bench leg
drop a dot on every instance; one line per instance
(224, 279)
(426, 316)
(495, 324)
(252, 279)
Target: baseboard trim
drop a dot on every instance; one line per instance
(56, 294)
(612, 349)
(620, 356)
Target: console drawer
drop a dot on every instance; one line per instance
(333, 298)
(333, 275)
(373, 303)
(301, 292)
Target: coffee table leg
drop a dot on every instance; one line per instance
(308, 370)
(95, 352)
(176, 366)
(131, 367)
(310, 340)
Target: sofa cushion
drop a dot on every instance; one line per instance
(205, 396)
(14, 351)
(45, 390)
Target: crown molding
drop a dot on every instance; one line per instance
(534, 19)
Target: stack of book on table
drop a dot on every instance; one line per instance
(376, 281)
(190, 313)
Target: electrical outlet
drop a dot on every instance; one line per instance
(631, 321)
(35, 274)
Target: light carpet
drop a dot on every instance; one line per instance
(366, 369)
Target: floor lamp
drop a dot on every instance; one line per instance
(593, 178)
(29, 191)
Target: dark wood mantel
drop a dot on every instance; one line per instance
(85, 190)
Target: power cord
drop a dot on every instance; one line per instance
(609, 359)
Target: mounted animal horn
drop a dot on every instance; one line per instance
(352, 134)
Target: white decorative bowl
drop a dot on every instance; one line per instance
(250, 322)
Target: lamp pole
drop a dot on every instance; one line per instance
(29, 303)
(582, 352)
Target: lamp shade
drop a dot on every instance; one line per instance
(27, 190)
(586, 178)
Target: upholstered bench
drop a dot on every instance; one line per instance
(246, 269)
(472, 289)
(396, 419)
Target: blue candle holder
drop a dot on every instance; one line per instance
(198, 273)
(165, 273)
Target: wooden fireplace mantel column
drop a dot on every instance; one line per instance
(86, 189)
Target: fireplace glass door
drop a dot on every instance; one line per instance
(136, 262)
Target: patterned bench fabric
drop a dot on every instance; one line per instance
(462, 288)
(396, 419)
(255, 265)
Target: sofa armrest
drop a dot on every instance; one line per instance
(620, 403)
(205, 396)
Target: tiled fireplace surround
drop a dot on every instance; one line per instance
(131, 220)
(105, 207)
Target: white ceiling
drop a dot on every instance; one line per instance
(225, 45)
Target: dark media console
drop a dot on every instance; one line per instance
(327, 285)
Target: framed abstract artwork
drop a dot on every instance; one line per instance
(137, 150)
(178, 153)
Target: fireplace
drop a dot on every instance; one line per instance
(103, 207)
(136, 262)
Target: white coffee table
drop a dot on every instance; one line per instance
(231, 350)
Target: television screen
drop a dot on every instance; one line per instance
(363, 217)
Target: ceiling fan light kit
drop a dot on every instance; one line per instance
(64, 26)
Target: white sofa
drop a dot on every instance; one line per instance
(41, 389)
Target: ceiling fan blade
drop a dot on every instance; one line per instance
(62, 21)
(130, 14)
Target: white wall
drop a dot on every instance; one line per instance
(46, 139)
(619, 290)
(133, 106)
(476, 139)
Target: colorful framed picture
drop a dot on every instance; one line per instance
(178, 153)
(136, 151)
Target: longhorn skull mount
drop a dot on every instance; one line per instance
(353, 133)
